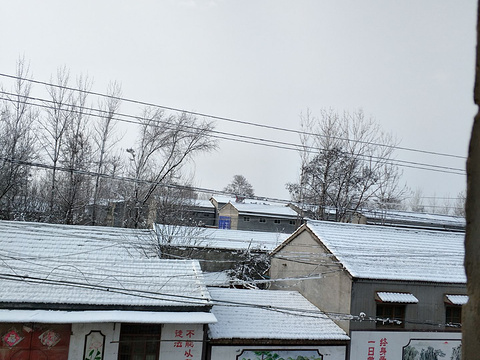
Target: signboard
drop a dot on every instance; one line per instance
(405, 345)
(182, 342)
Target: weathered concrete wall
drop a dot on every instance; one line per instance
(471, 313)
(315, 274)
(230, 211)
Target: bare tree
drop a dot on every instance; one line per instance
(165, 143)
(75, 156)
(240, 187)
(459, 206)
(346, 163)
(54, 126)
(17, 144)
(105, 162)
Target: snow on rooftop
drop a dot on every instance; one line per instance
(219, 238)
(269, 314)
(457, 299)
(149, 282)
(73, 240)
(106, 316)
(259, 207)
(396, 297)
(66, 264)
(378, 252)
(426, 219)
(265, 209)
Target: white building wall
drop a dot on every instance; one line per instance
(182, 341)
(390, 345)
(77, 339)
(178, 341)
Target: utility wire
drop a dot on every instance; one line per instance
(218, 117)
(234, 137)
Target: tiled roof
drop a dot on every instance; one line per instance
(220, 238)
(73, 240)
(269, 314)
(378, 252)
(91, 266)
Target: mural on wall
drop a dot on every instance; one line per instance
(94, 345)
(429, 349)
(280, 355)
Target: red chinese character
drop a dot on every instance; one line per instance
(371, 351)
(177, 344)
(190, 333)
(383, 342)
(179, 333)
(382, 358)
(188, 343)
(371, 342)
(188, 353)
(383, 351)
(370, 358)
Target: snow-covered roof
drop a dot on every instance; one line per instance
(219, 238)
(91, 266)
(260, 209)
(388, 253)
(396, 297)
(397, 217)
(218, 278)
(149, 282)
(69, 241)
(75, 317)
(269, 314)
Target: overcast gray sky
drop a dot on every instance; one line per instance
(409, 64)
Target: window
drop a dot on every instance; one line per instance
(292, 222)
(246, 218)
(390, 315)
(139, 342)
(262, 220)
(453, 309)
(453, 315)
(277, 221)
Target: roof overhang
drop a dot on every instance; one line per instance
(75, 317)
(395, 297)
(456, 299)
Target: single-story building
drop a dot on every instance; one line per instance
(379, 279)
(80, 294)
(266, 324)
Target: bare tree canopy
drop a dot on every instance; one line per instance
(240, 187)
(61, 162)
(345, 164)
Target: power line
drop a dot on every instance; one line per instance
(240, 138)
(219, 117)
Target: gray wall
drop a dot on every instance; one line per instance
(430, 306)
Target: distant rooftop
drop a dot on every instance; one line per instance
(220, 238)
